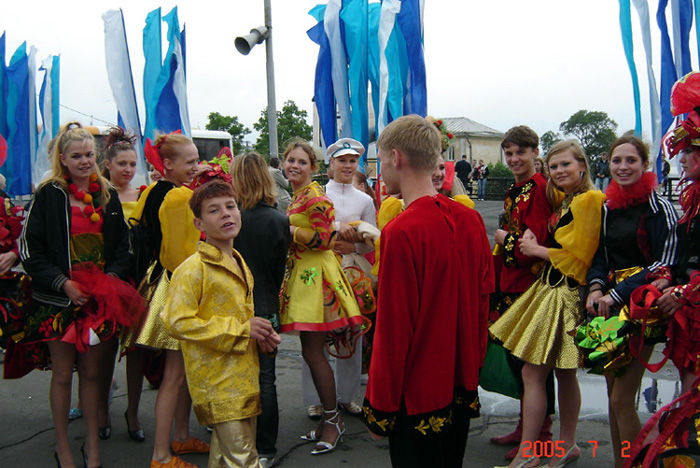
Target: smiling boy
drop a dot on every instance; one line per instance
(210, 310)
(525, 207)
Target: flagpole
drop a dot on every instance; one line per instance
(270, 66)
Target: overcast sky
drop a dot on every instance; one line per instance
(499, 62)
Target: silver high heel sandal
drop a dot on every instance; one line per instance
(325, 447)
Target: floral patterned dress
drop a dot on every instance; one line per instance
(315, 294)
(49, 322)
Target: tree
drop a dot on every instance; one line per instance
(291, 123)
(229, 124)
(595, 130)
(547, 140)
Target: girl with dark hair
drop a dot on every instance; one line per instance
(120, 168)
(637, 238)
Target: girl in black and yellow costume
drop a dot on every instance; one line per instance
(164, 211)
(75, 218)
(637, 243)
(535, 328)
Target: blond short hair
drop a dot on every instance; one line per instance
(415, 137)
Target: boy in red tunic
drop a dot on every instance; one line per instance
(525, 207)
(435, 278)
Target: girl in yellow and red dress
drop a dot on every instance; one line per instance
(120, 169)
(535, 328)
(75, 231)
(315, 297)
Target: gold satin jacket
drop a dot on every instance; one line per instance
(208, 310)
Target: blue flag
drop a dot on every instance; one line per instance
(323, 82)
(21, 131)
(410, 22)
(355, 16)
(151, 72)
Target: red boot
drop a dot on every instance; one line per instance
(513, 438)
(545, 435)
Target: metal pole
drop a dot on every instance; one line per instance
(271, 107)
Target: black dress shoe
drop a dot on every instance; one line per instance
(105, 432)
(82, 450)
(136, 435)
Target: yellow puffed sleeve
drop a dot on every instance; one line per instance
(180, 237)
(390, 208)
(464, 200)
(579, 238)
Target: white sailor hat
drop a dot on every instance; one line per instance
(345, 146)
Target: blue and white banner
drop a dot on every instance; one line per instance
(121, 80)
(49, 106)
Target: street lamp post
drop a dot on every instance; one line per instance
(243, 45)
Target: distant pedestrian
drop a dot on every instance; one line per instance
(281, 184)
(602, 172)
(481, 174)
(463, 170)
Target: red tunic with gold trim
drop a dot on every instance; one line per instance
(435, 278)
(525, 207)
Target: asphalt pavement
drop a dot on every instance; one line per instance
(28, 441)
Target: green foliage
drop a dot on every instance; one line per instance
(595, 130)
(499, 170)
(291, 123)
(547, 140)
(229, 124)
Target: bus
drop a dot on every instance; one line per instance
(208, 142)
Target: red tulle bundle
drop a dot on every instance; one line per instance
(621, 197)
(109, 297)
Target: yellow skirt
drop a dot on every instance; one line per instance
(152, 332)
(537, 327)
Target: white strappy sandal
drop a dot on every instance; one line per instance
(321, 446)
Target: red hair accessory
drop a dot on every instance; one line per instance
(153, 152)
(220, 169)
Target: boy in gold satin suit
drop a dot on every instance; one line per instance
(210, 310)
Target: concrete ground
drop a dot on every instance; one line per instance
(27, 435)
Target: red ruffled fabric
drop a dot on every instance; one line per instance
(621, 197)
(689, 200)
(110, 297)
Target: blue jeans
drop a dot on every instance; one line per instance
(481, 194)
(268, 421)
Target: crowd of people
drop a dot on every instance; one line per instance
(211, 261)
